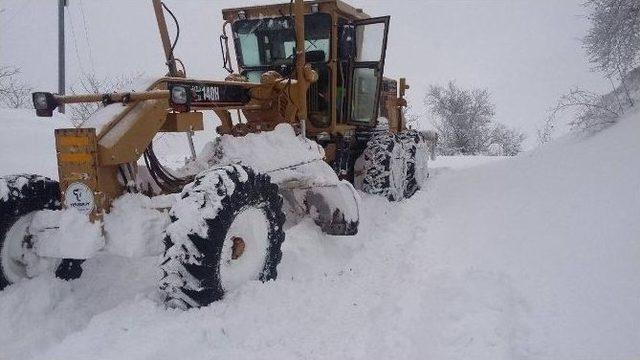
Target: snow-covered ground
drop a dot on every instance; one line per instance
(534, 257)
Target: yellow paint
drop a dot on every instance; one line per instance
(73, 141)
(75, 158)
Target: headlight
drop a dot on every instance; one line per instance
(179, 95)
(44, 103)
(40, 101)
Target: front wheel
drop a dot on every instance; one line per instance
(20, 197)
(226, 229)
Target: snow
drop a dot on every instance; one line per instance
(133, 228)
(80, 239)
(461, 162)
(12, 186)
(533, 257)
(103, 117)
(197, 204)
(28, 143)
(123, 126)
(272, 152)
(4, 190)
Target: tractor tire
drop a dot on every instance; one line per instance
(384, 167)
(417, 161)
(227, 229)
(20, 197)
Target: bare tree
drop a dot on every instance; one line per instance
(13, 92)
(593, 112)
(89, 83)
(613, 46)
(613, 42)
(7, 72)
(545, 133)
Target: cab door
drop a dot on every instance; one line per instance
(366, 70)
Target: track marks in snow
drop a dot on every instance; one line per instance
(373, 295)
(39, 313)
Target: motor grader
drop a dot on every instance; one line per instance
(306, 118)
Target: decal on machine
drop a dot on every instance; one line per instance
(80, 197)
(205, 94)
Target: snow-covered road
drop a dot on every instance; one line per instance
(535, 257)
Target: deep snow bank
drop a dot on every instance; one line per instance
(562, 222)
(534, 257)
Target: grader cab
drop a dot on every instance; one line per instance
(306, 118)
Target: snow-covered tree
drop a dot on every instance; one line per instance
(462, 118)
(613, 46)
(509, 140)
(613, 41)
(412, 119)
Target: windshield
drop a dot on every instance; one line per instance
(271, 41)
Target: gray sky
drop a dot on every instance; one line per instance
(526, 52)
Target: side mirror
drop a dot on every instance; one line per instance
(347, 43)
(224, 49)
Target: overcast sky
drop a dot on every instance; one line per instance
(526, 52)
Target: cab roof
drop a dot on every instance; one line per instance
(272, 10)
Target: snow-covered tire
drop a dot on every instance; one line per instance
(20, 197)
(199, 265)
(331, 220)
(416, 154)
(384, 167)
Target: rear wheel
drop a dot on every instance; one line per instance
(417, 160)
(20, 197)
(226, 229)
(384, 167)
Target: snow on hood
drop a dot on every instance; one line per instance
(106, 114)
(280, 153)
(270, 150)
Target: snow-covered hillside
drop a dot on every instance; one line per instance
(534, 257)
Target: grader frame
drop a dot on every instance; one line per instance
(307, 95)
(98, 154)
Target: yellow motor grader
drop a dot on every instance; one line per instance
(306, 118)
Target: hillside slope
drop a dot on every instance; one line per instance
(534, 257)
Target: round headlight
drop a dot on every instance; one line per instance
(179, 95)
(40, 101)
